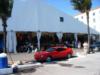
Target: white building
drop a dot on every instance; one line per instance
(39, 17)
(94, 19)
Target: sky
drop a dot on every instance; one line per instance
(66, 6)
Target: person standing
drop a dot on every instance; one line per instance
(79, 44)
(67, 44)
(85, 47)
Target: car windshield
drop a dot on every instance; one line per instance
(50, 49)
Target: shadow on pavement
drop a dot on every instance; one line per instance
(27, 70)
(79, 67)
(65, 65)
(70, 65)
(55, 61)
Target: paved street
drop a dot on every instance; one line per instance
(83, 65)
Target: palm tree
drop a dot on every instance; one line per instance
(5, 13)
(84, 6)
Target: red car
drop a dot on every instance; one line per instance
(53, 53)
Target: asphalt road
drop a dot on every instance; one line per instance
(83, 65)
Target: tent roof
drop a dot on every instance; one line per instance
(37, 15)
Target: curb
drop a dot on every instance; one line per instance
(17, 68)
(6, 71)
(28, 66)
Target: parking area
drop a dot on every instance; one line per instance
(25, 57)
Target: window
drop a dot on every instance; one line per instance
(61, 19)
(61, 49)
(81, 17)
(93, 14)
(94, 20)
(50, 49)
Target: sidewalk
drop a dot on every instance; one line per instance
(78, 50)
(23, 57)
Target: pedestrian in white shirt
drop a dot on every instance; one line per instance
(85, 47)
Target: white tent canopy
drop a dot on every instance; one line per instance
(37, 15)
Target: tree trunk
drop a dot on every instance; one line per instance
(88, 29)
(4, 24)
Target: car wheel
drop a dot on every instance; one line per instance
(69, 56)
(48, 59)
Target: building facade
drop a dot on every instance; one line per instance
(94, 20)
